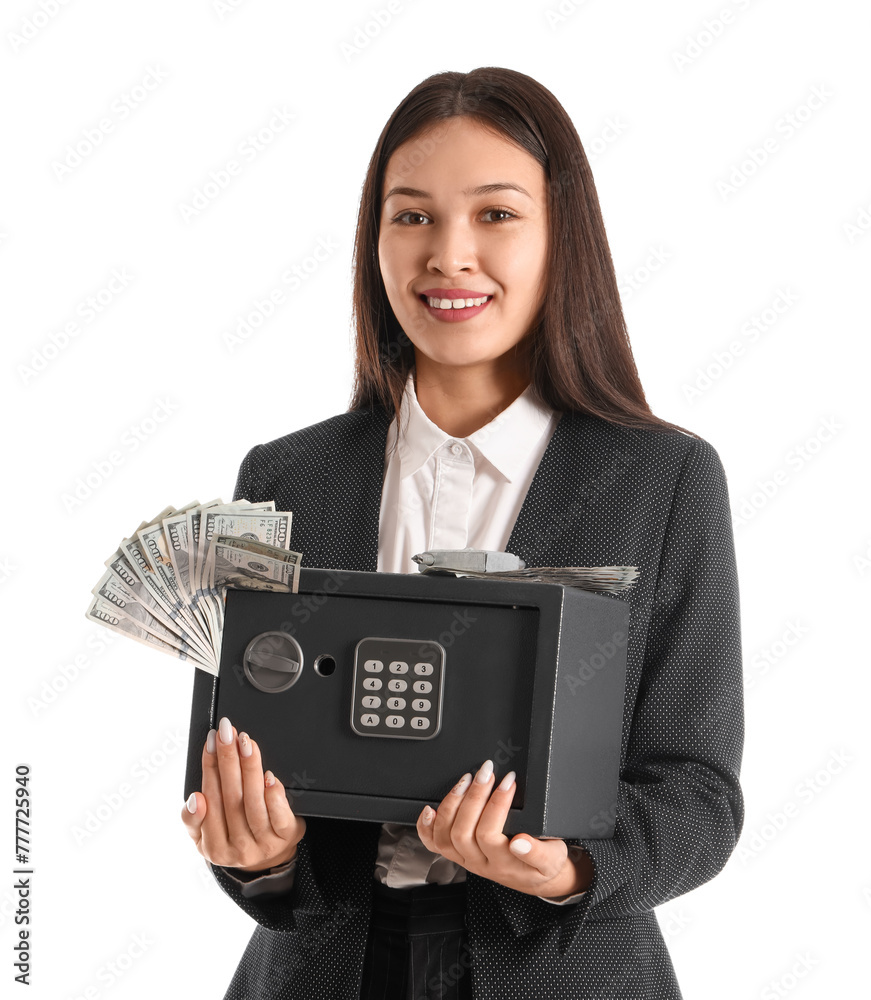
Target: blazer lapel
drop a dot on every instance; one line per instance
(354, 471)
(580, 462)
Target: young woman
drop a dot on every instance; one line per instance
(496, 405)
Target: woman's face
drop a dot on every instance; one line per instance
(440, 238)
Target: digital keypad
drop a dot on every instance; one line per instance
(398, 687)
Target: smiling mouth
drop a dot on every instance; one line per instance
(454, 304)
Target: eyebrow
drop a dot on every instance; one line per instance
(469, 192)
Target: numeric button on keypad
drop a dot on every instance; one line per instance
(422, 687)
(396, 704)
(396, 685)
(419, 705)
(395, 721)
(423, 669)
(398, 667)
(370, 701)
(373, 666)
(372, 683)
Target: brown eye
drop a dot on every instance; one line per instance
(402, 214)
(501, 211)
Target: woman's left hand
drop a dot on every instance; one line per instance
(467, 829)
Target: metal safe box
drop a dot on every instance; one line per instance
(370, 694)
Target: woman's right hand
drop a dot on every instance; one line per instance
(239, 820)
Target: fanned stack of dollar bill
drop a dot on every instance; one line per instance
(165, 584)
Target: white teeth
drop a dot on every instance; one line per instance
(455, 303)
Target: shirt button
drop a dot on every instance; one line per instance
(456, 449)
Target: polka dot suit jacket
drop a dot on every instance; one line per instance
(602, 495)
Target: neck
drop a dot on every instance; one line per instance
(463, 400)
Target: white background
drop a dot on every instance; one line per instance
(668, 107)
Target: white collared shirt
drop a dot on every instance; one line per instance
(444, 492)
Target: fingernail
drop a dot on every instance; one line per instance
(210, 741)
(507, 781)
(245, 748)
(427, 816)
(462, 784)
(269, 778)
(225, 731)
(484, 772)
(192, 802)
(520, 846)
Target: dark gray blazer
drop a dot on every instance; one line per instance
(602, 495)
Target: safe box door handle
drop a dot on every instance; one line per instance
(272, 661)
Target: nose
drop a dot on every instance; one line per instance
(453, 249)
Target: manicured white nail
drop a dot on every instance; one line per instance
(192, 802)
(484, 772)
(245, 749)
(210, 741)
(427, 816)
(520, 846)
(269, 778)
(462, 784)
(507, 781)
(225, 731)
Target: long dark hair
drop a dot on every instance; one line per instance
(580, 357)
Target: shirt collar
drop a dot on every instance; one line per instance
(505, 442)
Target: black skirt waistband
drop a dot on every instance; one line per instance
(424, 909)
